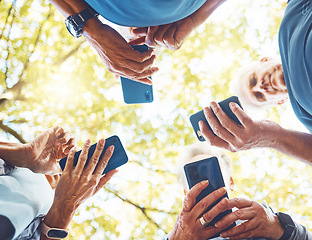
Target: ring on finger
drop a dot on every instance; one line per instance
(203, 222)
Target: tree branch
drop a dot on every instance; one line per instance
(69, 54)
(7, 18)
(11, 131)
(142, 209)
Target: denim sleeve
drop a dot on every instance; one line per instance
(5, 168)
(32, 231)
(301, 233)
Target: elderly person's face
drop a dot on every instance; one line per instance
(264, 83)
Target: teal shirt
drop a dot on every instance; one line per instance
(144, 13)
(24, 196)
(295, 42)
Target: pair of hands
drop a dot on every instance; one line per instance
(259, 221)
(121, 59)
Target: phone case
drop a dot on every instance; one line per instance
(137, 92)
(200, 116)
(207, 169)
(118, 158)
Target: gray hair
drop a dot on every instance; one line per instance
(190, 151)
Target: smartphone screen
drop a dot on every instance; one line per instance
(207, 169)
(137, 92)
(200, 116)
(118, 158)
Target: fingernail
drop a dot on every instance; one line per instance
(205, 182)
(222, 235)
(101, 142)
(206, 110)
(88, 141)
(222, 190)
(111, 148)
(213, 105)
(217, 224)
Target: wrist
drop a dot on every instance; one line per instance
(59, 216)
(13, 154)
(270, 133)
(277, 230)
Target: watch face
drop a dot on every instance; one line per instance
(71, 28)
(57, 233)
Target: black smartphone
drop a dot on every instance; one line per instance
(137, 92)
(200, 116)
(118, 158)
(207, 169)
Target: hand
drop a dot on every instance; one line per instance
(42, 154)
(235, 137)
(260, 221)
(79, 183)
(188, 225)
(170, 35)
(118, 56)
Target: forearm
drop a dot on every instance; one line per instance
(13, 154)
(292, 143)
(69, 7)
(206, 10)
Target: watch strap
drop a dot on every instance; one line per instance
(80, 18)
(287, 224)
(53, 233)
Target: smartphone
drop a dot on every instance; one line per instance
(137, 92)
(200, 116)
(207, 169)
(118, 158)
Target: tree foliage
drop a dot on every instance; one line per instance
(47, 78)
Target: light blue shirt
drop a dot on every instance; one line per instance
(295, 42)
(24, 196)
(144, 13)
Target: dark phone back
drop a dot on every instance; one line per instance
(200, 116)
(207, 169)
(118, 158)
(136, 92)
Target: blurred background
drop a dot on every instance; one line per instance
(47, 77)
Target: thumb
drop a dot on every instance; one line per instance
(137, 41)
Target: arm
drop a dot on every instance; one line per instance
(254, 134)
(173, 35)
(188, 225)
(78, 184)
(117, 55)
(41, 154)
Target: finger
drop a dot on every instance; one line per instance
(243, 228)
(206, 202)
(159, 35)
(70, 160)
(245, 120)
(239, 203)
(149, 40)
(144, 76)
(215, 124)
(83, 157)
(64, 139)
(240, 214)
(170, 40)
(224, 119)
(190, 198)
(104, 179)
(95, 157)
(211, 138)
(212, 213)
(141, 67)
(137, 41)
(58, 131)
(140, 31)
(103, 162)
(245, 235)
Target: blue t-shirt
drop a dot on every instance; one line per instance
(144, 13)
(295, 42)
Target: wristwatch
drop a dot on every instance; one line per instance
(53, 233)
(287, 224)
(75, 23)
